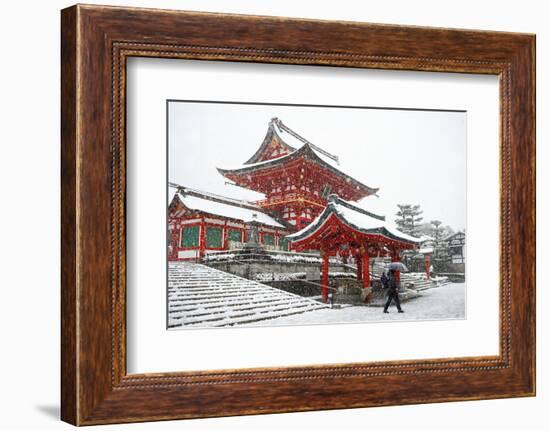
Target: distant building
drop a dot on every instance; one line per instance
(456, 244)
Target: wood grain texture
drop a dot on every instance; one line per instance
(96, 41)
(68, 218)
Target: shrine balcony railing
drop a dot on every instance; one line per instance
(279, 199)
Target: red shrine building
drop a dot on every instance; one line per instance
(295, 179)
(307, 204)
(346, 230)
(200, 222)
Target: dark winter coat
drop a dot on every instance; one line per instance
(393, 283)
(384, 280)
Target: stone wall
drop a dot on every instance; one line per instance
(249, 269)
(348, 290)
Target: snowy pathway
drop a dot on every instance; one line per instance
(440, 303)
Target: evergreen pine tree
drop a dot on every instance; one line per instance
(409, 219)
(437, 233)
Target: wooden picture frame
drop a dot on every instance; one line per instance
(95, 43)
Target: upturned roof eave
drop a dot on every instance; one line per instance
(309, 230)
(302, 151)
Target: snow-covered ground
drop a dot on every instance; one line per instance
(441, 303)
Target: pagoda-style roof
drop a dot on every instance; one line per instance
(262, 160)
(216, 205)
(272, 146)
(341, 219)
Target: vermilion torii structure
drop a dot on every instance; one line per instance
(347, 230)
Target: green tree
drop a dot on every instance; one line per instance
(437, 234)
(409, 218)
(437, 229)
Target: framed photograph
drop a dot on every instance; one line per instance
(265, 214)
(285, 228)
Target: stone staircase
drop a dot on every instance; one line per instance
(201, 296)
(416, 281)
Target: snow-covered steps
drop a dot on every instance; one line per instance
(201, 296)
(419, 282)
(412, 280)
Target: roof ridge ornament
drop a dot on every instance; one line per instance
(284, 128)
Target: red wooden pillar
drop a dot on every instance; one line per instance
(202, 240)
(225, 233)
(174, 234)
(427, 264)
(366, 275)
(359, 262)
(324, 278)
(176, 241)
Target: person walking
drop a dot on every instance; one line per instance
(393, 292)
(384, 280)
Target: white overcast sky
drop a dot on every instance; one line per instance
(416, 157)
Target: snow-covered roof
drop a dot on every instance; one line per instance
(172, 190)
(290, 142)
(295, 146)
(426, 239)
(426, 250)
(355, 217)
(306, 150)
(271, 135)
(454, 234)
(221, 206)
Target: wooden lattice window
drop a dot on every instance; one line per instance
(213, 237)
(235, 235)
(283, 242)
(269, 239)
(190, 237)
